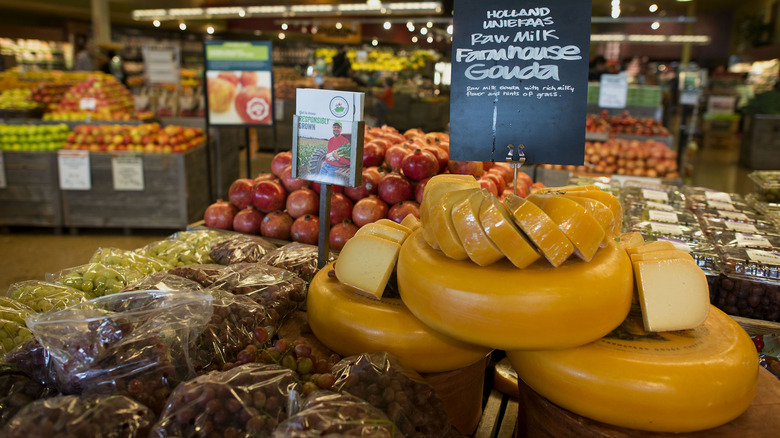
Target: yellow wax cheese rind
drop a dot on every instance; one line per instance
(376, 229)
(501, 229)
(500, 306)
(607, 199)
(582, 230)
(440, 221)
(540, 229)
(435, 188)
(599, 211)
(661, 255)
(350, 323)
(673, 294)
(662, 382)
(366, 262)
(393, 224)
(658, 245)
(465, 218)
(631, 240)
(411, 222)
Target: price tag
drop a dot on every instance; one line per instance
(655, 195)
(659, 206)
(664, 216)
(88, 103)
(735, 215)
(679, 244)
(742, 228)
(717, 196)
(666, 228)
(752, 241)
(73, 166)
(719, 205)
(763, 257)
(3, 182)
(128, 172)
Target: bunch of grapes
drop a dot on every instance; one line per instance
(240, 249)
(173, 252)
(202, 241)
(17, 390)
(33, 360)
(96, 279)
(128, 259)
(41, 296)
(205, 275)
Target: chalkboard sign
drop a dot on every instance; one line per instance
(520, 76)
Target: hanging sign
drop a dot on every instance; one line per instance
(73, 166)
(520, 76)
(239, 89)
(613, 91)
(128, 172)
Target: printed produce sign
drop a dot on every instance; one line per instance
(520, 76)
(238, 83)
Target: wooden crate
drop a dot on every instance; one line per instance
(176, 193)
(32, 195)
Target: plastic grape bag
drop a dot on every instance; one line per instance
(205, 275)
(96, 279)
(327, 413)
(129, 259)
(236, 322)
(249, 400)
(13, 310)
(241, 249)
(17, 390)
(202, 241)
(164, 281)
(137, 344)
(12, 333)
(172, 252)
(33, 360)
(63, 416)
(281, 292)
(42, 296)
(401, 393)
(300, 258)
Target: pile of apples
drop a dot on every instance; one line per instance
(631, 157)
(148, 138)
(625, 123)
(112, 101)
(396, 168)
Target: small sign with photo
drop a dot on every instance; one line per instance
(328, 137)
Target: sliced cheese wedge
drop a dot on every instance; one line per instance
(607, 199)
(380, 230)
(569, 188)
(582, 230)
(659, 245)
(673, 294)
(441, 223)
(540, 229)
(600, 212)
(501, 229)
(465, 217)
(662, 255)
(435, 188)
(411, 222)
(365, 264)
(631, 240)
(393, 224)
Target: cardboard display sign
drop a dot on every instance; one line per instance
(239, 86)
(520, 76)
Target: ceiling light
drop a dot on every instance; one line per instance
(449, 29)
(241, 13)
(414, 39)
(409, 24)
(182, 26)
(653, 7)
(387, 25)
(284, 26)
(424, 30)
(615, 13)
(655, 25)
(281, 35)
(429, 24)
(374, 42)
(156, 23)
(411, 28)
(430, 39)
(338, 25)
(210, 30)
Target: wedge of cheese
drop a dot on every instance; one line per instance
(465, 217)
(582, 230)
(386, 232)
(540, 229)
(411, 222)
(443, 228)
(659, 245)
(501, 229)
(662, 255)
(365, 264)
(607, 199)
(389, 223)
(435, 188)
(600, 212)
(630, 240)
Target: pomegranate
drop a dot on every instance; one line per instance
(276, 225)
(268, 196)
(303, 201)
(367, 210)
(306, 229)
(369, 185)
(465, 167)
(373, 154)
(394, 188)
(419, 189)
(489, 185)
(248, 221)
(395, 155)
(220, 215)
(240, 192)
(280, 161)
(441, 156)
(291, 184)
(420, 164)
(333, 188)
(340, 233)
(399, 211)
(340, 208)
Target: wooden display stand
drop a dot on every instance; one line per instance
(32, 195)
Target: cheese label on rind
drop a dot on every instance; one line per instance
(582, 230)
(673, 293)
(376, 229)
(540, 229)
(465, 218)
(501, 229)
(411, 222)
(366, 262)
(435, 188)
(660, 245)
(443, 228)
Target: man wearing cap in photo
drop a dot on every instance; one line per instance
(333, 161)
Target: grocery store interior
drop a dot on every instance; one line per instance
(112, 135)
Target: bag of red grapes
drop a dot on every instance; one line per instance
(247, 401)
(326, 413)
(96, 416)
(137, 344)
(300, 258)
(240, 249)
(385, 383)
(17, 390)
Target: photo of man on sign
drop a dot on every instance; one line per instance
(324, 151)
(338, 152)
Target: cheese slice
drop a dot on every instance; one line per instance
(465, 218)
(435, 188)
(659, 245)
(443, 227)
(365, 264)
(501, 229)
(411, 222)
(540, 229)
(393, 224)
(607, 199)
(569, 188)
(662, 255)
(631, 240)
(673, 294)
(582, 230)
(600, 212)
(380, 230)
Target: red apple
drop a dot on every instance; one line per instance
(489, 185)
(248, 221)
(369, 186)
(369, 209)
(306, 229)
(220, 215)
(442, 157)
(394, 188)
(248, 78)
(395, 155)
(276, 225)
(302, 202)
(229, 76)
(420, 164)
(240, 192)
(334, 188)
(340, 233)
(340, 208)
(253, 105)
(465, 167)
(268, 196)
(220, 94)
(291, 184)
(280, 161)
(399, 211)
